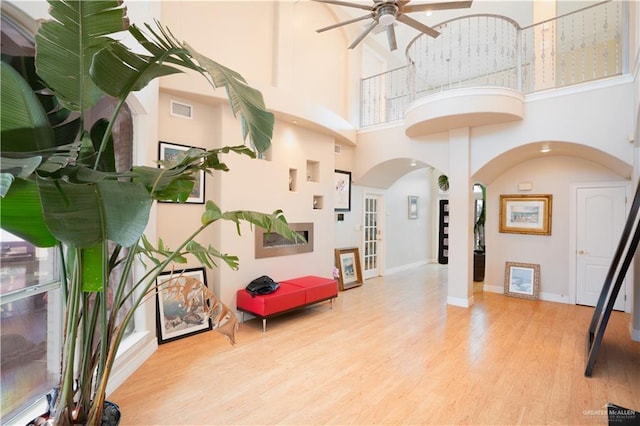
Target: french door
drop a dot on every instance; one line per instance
(372, 236)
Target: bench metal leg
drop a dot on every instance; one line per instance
(332, 302)
(264, 325)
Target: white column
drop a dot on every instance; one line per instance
(460, 286)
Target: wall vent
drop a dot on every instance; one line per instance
(181, 110)
(337, 149)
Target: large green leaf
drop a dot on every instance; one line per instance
(126, 206)
(21, 214)
(82, 215)
(118, 71)
(24, 126)
(257, 122)
(65, 47)
(274, 222)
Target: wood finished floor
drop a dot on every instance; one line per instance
(392, 352)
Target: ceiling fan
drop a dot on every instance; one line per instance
(386, 12)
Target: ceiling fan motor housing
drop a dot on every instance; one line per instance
(386, 13)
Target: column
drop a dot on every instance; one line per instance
(460, 285)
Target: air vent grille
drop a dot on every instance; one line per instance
(337, 149)
(181, 110)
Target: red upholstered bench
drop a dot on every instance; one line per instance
(292, 294)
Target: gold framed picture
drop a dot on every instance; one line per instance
(526, 214)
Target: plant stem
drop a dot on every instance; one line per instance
(65, 407)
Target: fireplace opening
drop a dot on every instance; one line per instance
(270, 244)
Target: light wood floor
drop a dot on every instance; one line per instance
(392, 352)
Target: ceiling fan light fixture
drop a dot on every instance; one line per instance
(387, 20)
(387, 14)
(384, 13)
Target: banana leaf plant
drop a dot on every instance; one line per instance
(59, 186)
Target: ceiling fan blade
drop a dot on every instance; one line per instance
(350, 21)
(437, 6)
(345, 3)
(364, 34)
(418, 25)
(391, 37)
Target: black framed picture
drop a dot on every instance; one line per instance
(180, 302)
(170, 152)
(342, 186)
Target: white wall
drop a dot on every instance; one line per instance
(550, 175)
(409, 241)
(270, 43)
(251, 184)
(406, 242)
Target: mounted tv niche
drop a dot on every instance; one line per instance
(269, 244)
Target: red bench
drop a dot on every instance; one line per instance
(292, 294)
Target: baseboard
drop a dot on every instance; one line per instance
(460, 302)
(558, 298)
(133, 353)
(493, 288)
(405, 267)
(547, 297)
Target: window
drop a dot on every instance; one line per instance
(30, 323)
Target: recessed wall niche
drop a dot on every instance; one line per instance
(318, 202)
(293, 180)
(313, 171)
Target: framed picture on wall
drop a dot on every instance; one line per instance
(342, 195)
(180, 302)
(522, 280)
(413, 207)
(349, 269)
(526, 214)
(172, 153)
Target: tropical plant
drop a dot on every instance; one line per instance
(443, 183)
(481, 216)
(60, 187)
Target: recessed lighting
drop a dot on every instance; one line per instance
(413, 163)
(545, 148)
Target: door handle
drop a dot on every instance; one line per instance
(582, 252)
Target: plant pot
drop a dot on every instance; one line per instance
(110, 413)
(478, 265)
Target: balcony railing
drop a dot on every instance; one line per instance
(491, 50)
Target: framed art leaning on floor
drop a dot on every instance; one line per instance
(348, 264)
(181, 304)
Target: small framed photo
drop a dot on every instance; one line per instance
(525, 214)
(413, 207)
(350, 271)
(180, 300)
(172, 152)
(342, 195)
(522, 280)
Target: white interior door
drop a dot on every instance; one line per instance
(600, 217)
(372, 236)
